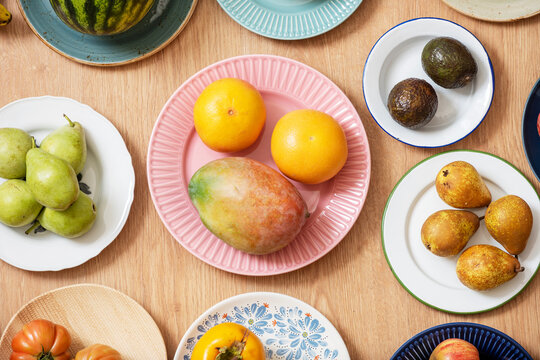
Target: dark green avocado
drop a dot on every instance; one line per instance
(448, 63)
(412, 103)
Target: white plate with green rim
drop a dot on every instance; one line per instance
(432, 279)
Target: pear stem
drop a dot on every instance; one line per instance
(33, 227)
(521, 269)
(33, 142)
(481, 218)
(70, 122)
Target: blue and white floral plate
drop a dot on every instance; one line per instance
(289, 328)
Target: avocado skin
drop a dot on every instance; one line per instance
(448, 63)
(412, 103)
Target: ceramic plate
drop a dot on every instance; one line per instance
(165, 20)
(287, 327)
(430, 278)
(108, 173)
(396, 56)
(491, 343)
(496, 10)
(176, 152)
(289, 19)
(531, 129)
(91, 314)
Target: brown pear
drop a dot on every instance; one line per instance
(509, 220)
(461, 186)
(446, 232)
(484, 267)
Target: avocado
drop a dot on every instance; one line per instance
(448, 63)
(412, 103)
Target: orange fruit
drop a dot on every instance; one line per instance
(229, 115)
(309, 146)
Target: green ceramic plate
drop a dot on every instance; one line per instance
(161, 25)
(289, 19)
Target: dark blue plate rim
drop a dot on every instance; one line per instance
(456, 325)
(490, 66)
(526, 145)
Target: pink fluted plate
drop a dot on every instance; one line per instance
(175, 152)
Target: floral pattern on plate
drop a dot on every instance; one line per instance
(288, 331)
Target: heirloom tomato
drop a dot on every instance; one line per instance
(41, 340)
(228, 341)
(98, 352)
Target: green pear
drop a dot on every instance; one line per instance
(446, 232)
(460, 185)
(18, 207)
(68, 143)
(484, 267)
(14, 144)
(509, 220)
(73, 222)
(51, 179)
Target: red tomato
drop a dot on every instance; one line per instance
(43, 340)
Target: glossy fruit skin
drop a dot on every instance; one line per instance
(509, 220)
(412, 103)
(51, 179)
(448, 63)
(229, 115)
(38, 337)
(309, 146)
(73, 222)
(226, 334)
(18, 207)
(455, 349)
(14, 144)
(484, 267)
(68, 143)
(101, 17)
(247, 204)
(446, 232)
(98, 352)
(460, 185)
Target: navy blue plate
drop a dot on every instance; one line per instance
(531, 139)
(491, 343)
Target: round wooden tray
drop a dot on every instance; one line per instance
(93, 314)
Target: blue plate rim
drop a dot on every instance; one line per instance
(433, 18)
(261, 33)
(458, 324)
(527, 103)
(181, 27)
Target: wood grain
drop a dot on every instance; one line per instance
(352, 285)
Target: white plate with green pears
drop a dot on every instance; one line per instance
(433, 279)
(94, 215)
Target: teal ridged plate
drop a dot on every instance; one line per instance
(289, 19)
(165, 20)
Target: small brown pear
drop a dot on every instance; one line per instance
(461, 186)
(446, 232)
(509, 220)
(484, 267)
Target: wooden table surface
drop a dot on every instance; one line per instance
(352, 285)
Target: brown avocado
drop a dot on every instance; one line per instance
(412, 103)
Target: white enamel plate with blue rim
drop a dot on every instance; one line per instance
(287, 327)
(289, 19)
(432, 279)
(396, 56)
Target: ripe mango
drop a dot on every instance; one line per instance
(247, 204)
